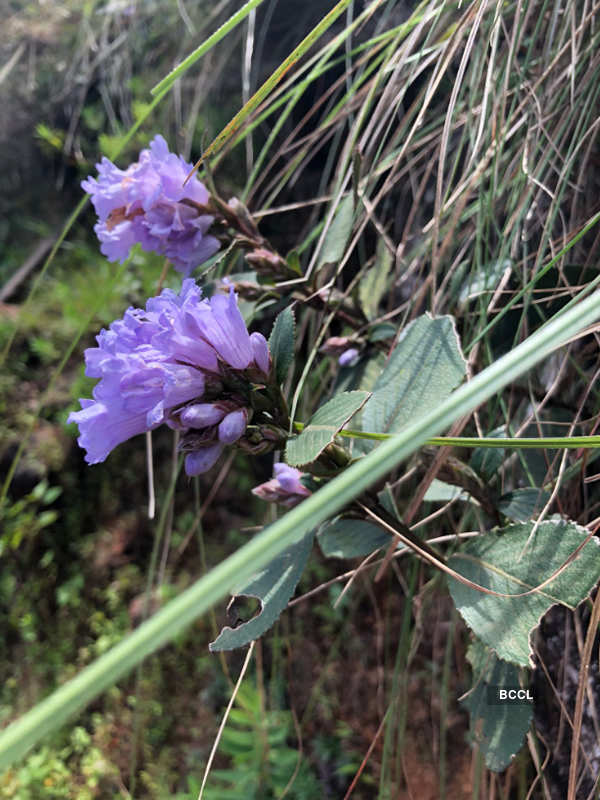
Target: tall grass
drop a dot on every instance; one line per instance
(466, 136)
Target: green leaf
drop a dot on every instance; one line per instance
(350, 538)
(273, 586)
(423, 369)
(281, 343)
(323, 427)
(336, 238)
(523, 504)
(441, 492)
(382, 331)
(498, 730)
(374, 285)
(293, 261)
(506, 561)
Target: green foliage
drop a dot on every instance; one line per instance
(497, 729)
(423, 133)
(425, 366)
(273, 586)
(350, 538)
(281, 343)
(374, 286)
(336, 238)
(486, 461)
(263, 765)
(50, 772)
(323, 426)
(523, 504)
(517, 560)
(26, 517)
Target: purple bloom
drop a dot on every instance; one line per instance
(148, 203)
(349, 357)
(285, 488)
(160, 364)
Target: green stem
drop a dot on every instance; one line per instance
(552, 442)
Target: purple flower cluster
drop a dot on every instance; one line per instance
(285, 488)
(148, 203)
(184, 361)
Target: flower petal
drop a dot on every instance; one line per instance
(202, 460)
(233, 426)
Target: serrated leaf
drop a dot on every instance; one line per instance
(336, 238)
(350, 538)
(423, 369)
(498, 730)
(374, 284)
(281, 343)
(522, 504)
(323, 427)
(506, 562)
(273, 586)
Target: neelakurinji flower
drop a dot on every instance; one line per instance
(149, 203)
(184, 361)
(285, 488)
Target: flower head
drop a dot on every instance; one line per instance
(285, 488)
(184, 361)
(149, 203)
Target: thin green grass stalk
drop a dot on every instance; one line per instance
(320, 68)
(178, 614)
(396, 718)
(530, 285)
(518, 443)
(235, 124)
(444, 702)
(167, 82)
(479, 773)
(284, 93)
(151, 575)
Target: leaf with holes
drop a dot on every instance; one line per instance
(273, 586)
(423, 369)
(506, 561)
(323, 427)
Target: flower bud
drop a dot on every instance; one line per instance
(200, 461)
(349, 357)
(201, 415)
(285, 488)
(233, 426)
(260, 348)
